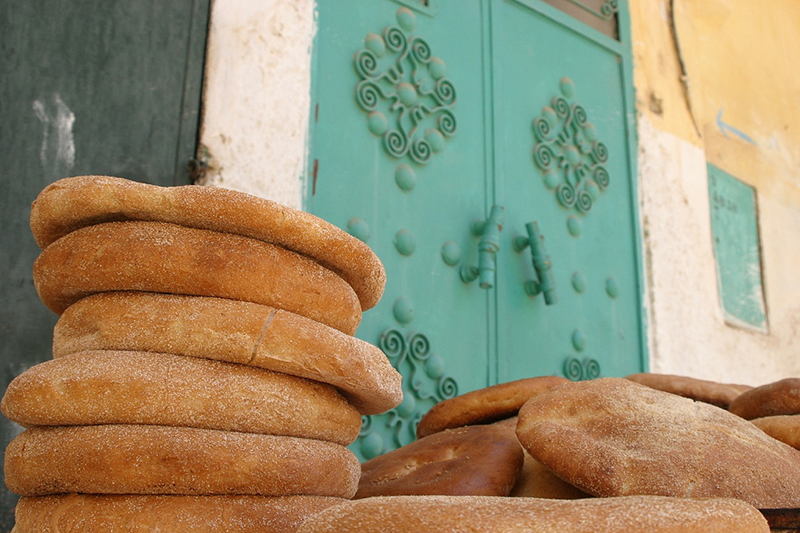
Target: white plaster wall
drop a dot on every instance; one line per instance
(687, 332)
(257, 97)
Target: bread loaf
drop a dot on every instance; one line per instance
(103, 387)
(138, 459)
(171, 259)
(484, 406)
(719, 394)
(90, 513)
(73, 203)
(472, 460)
(463, 514)
(234, 331)
(773, 399)
(613, 437)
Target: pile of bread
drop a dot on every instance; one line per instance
(205, 376)
(655, 453)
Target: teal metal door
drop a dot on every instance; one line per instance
(423, 141)
(562, 160)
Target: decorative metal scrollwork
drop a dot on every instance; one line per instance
(577, 370)
(606, 11)
(424, 385)
(400, 78)
(569, 153)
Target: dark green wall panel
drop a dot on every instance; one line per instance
(88, 87)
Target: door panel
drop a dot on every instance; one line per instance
(414, 212)
(569, 85)
(456, 315)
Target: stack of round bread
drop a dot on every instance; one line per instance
(205, 373)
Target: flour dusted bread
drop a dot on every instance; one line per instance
(536, 480)
(785, 428)
(90, 513)
(473, 460)
(613, 437)
(485, 405)
(105, 387)
(72, 203)
(138, 459)
(773, 399)
(457, 514)
(719, 394)
(172, 259)
(234, 331)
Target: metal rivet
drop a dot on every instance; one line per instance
(592, 188)
(578, 340)
(574, 226)
(374, 43)
(567, 87)
(434, 367)
(358, 229)
(407, 407)
(436, 139)
(403, 310)
(437, 68)
(451, 253)
(377, 123)
(551, 179)
(372, 446)
(404, 242)
(578, 283)
(406, 19)
(405, 177)
(612, 287)
(407, 93)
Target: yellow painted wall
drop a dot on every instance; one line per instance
(718, 81)
(740, 59)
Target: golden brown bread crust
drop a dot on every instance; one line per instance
(138, 459)
(773, 399)
(462, 514)
(234, 331)
(719, 394)
(165, 258)
(90, 513)
(484, 406)
(105, 387)
(785, 428)
(473, 460)
(72, 203)
(613, 437)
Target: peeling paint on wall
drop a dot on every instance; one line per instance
(57, 153)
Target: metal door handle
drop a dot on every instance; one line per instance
(542, 264)
(489, 230)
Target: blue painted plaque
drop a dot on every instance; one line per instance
(737, 251)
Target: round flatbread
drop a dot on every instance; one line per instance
(104, 387)
(90, 513)
(613, 437)
(463, 514)
(165, 258)
(484, 406)
(719, 394)
(233, 331)
(72, 203)
(773, 399)
(137, 459)
(536, 480)
(785, 428)
(473, 460)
